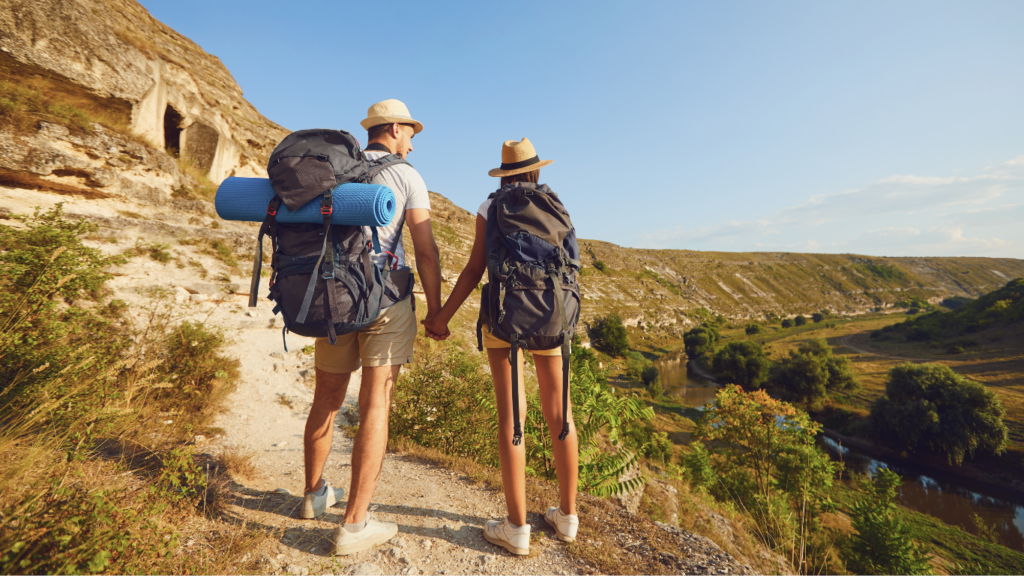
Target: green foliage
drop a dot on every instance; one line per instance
(883, 543)
(700, 341)
(446, 401)
(811, 372)
(649, 274)
(787, 323)
(196, 368)
(817, 317)
(799, 320)
(930, 408)
(640, 369)
(883, 271)
(155, 250)
(697, 468)
(609, 334)
(764, 458)
(914, 302)
(1004, 306)
(743, 363)
(601, 266)
(754, 329)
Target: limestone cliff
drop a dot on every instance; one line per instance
(171, 94)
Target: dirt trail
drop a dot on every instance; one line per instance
(439, 513)
(845, 341)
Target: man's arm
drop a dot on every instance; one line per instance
(428, 264)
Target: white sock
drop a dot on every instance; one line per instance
(357, 527)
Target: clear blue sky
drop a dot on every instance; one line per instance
(885, 128)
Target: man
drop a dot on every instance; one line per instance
(381, 348)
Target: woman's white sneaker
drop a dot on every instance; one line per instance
(375, 532)
(314, 504)
(565, 525)
(504, 534)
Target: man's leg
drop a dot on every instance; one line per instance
(327, 400)
(378, 383)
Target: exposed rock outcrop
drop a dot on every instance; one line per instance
(176, 96)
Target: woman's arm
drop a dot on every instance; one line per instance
(468, 279)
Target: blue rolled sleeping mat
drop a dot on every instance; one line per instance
(246, 199)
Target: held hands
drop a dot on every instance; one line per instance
(436, 329)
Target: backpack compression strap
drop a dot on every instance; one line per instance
(513, 359)
(554, 273)
(269, 227)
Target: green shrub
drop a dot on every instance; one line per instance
(799, 320)
(700, 341)
(930, 408)
(601, 266)
(609, 334)
(883, 543)
(811, 372)
(787, 323)
(743, 363)
(817, 317)
(753, 329)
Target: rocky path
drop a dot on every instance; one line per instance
(439, 513)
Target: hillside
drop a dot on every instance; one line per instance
(662, 291)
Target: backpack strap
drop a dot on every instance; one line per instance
(377, 166)
(480, 334)
(555, 272)
(269, 227)
(513, 359)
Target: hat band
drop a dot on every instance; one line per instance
(517, 165)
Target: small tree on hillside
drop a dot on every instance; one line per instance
(700, 341)
(743, 363)
(882, 543)
(817, 317)
(800, 320)
(753, 329)
(811, 372)
(787, 323)
(609, 334)
(930, 408)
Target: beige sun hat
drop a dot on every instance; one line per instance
(518, 157)
(389, 112)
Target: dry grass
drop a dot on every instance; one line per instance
(238, 462)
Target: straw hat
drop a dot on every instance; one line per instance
(389, 112)
(518, 157)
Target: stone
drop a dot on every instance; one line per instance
(198, 298)
(366, 569)
(427, 544)
(181, 294)
(398, 542)
(296, 570)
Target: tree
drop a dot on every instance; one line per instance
(743, 363)
(817, 317)
(882, 543)
(800, 320)
(787, 323)
(930, 408)
(753, 329)
(609, 334)
(700, 341)
(812, 371)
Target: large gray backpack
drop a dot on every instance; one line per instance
(324, 281)
(532, 297)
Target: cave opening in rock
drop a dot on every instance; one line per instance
(172, 130)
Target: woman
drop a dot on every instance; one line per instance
(520, 167)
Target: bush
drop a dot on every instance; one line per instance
(817, 317)
(811, 372)
(700, 341)
(609, 334)
(753, 329)
(913, 311)
(799, 320)
(930, 408)
(601, 266)
(743, 363)
(787, 323)
(882, 543)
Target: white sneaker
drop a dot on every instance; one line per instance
(515, 540)
(314, 506)
(375, 532)
(565, 525)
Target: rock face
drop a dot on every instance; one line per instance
(175, 95)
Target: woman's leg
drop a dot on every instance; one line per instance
(513, 458)
(567, 456)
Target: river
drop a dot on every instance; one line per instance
(927, 491)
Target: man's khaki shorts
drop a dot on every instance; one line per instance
(386, 342)
(495, 342)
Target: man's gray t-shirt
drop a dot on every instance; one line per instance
(410, 192)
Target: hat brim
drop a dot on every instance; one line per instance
(378, 120)
(498, 172)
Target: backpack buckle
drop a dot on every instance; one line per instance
(272, 211)
(327, 210)
(328, 275)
